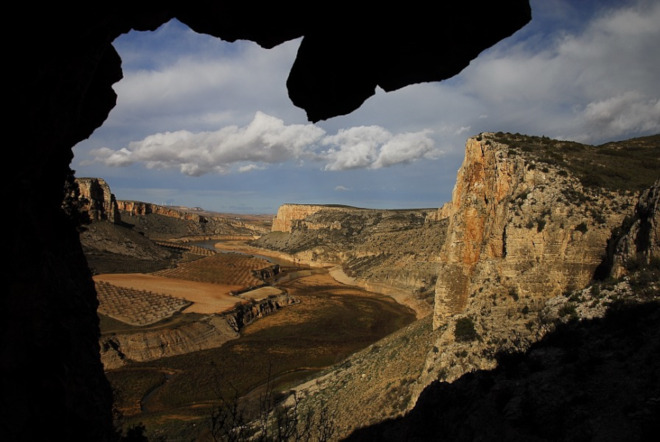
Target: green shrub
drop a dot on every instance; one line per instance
(465, 330)
(569, 310)
(582, 227)
(540, 225)
(513, 292)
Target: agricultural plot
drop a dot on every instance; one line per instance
(136, 307)
(231, 269)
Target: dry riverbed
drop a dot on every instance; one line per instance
(331, 321)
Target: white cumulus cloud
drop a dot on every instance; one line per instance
(373, 147)
(267, 140)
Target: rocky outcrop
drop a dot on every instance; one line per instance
(98, 201)
(526, 235)
(168, 223)
(520, 226)
(246, 313)
(290, 216)
(638, 243)
(210, 331)
(139, 208)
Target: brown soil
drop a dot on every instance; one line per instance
(206, 297)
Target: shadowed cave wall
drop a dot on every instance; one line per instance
(61, 67)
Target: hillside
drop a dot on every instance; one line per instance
(132, 236)
(388, 251)
(527, 246)
(541, 239)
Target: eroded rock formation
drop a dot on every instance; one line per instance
(526, 235)
(100, 203)
(165, 222)
(639, 241)
(521, 225)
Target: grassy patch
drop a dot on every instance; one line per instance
(623, 165)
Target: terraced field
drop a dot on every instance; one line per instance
(222, 268)
(331, 321)
(136, 307)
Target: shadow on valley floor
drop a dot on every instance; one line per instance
(595, 380)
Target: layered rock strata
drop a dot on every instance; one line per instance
(522, 227)
(98, 201)
(526, 235)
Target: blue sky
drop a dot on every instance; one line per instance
(202, 122)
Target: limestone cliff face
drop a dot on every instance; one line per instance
(100, 203)
(290, 216)
(522, 227)
(138, 208)
(639, 242)
(169, 222)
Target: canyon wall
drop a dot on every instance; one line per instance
(292, 216)
(533, 225)
(98, 201)
(521, 226)
(393, 252)
(169, 222)
(637, 243)
(139, 208)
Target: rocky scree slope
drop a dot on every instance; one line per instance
(387, 251)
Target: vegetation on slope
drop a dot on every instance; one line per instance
(631, 165)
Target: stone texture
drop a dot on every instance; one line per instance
(100, 203)
(514, 229)
(639, 241)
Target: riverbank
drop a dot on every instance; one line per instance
(421, 308)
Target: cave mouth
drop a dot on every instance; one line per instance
(62, 78)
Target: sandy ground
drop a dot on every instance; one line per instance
(260, 293)
(207, 298)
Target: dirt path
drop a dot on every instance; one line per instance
(206, 297)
